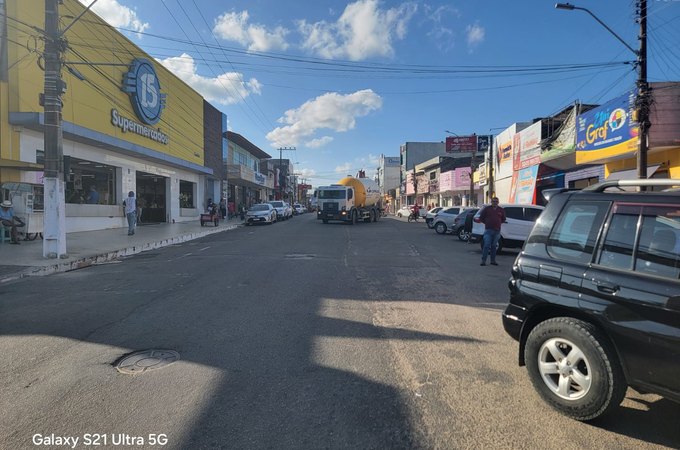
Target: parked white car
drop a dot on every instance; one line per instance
(299, 209)
(260, 213)
(519, 220)
(405, 211)
(429, 217)
(283, 210)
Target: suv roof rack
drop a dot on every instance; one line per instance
(600, 187)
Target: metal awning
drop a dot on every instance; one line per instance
(20, 165)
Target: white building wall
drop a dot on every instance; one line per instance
(97, 217)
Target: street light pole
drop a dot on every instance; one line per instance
(642, 99)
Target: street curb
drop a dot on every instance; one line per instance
(80, 263)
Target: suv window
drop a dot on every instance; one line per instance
(514, 212)
(452, 211)
(531, 214)
(658, 250)
(575, 232)
(617, 249)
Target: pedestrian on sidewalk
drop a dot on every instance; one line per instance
(492, 217)
(130, 204)
(10, 221)
(223, 208)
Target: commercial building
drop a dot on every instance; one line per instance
(250, 181)
(129, 124)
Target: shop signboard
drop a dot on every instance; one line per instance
(523, 187)
(462, 178)
(607, 131)
(482, 174)
(461, 144)
(446, 181)
(260, 178)
(483, 143)
(504, 152)
(527, 147)
(392, 161)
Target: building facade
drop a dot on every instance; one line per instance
(128, 125)
(250, 180)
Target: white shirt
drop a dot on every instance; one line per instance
(130, 205)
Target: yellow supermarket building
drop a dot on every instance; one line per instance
(129, 124)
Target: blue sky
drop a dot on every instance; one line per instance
(344, 82)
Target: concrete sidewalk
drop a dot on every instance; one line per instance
(94, 247)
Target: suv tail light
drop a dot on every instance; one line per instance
(476, 220)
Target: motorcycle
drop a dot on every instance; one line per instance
(413, 217)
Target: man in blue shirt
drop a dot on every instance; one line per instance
(93, 196)
(8, 220)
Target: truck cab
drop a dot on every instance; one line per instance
(334, 202)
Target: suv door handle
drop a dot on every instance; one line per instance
(606, 286)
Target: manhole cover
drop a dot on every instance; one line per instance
(145, 360)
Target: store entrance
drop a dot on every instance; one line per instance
(151, 197)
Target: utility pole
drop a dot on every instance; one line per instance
(54, 222)
(642, 100)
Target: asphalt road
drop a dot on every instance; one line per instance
(295, 335)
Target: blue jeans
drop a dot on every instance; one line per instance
(490, 238)
(132, 222)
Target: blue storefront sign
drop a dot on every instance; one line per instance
(608, 126)
(144, 88)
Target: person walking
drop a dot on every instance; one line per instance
(10, 221)
(93, 196)
(223, 208)
(130, 204)
(492, 217)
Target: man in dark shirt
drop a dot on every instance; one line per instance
(492, 217)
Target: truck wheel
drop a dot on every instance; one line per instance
(376, 214)
(369, 219)
(574, 368)
(355, 218)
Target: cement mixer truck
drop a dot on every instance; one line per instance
(350, 200)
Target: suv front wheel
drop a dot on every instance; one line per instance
(574, 368)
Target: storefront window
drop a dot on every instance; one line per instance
(89, 182)
(186, 194)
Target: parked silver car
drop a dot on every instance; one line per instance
(443, 222)
(261, 213)
(429, 217)
(283, 210)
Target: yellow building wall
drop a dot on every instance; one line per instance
(89, 103)
(667, 158)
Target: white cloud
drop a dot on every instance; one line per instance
(344, 168)
(362, 31)
(117, 15)
(370, 161)
(436, 21)
(332, 111)
(475, 34)
(227, 88)
(320, 142)
(307, 173)
(234, 26)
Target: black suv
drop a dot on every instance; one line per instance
(595, 297)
